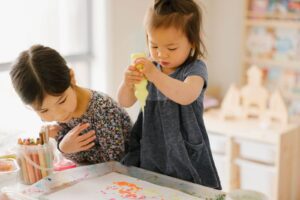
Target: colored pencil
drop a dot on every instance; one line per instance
(30, 169)
(23, 165)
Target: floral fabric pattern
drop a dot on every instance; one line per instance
(112, 125)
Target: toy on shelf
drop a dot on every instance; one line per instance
(260, 43)
(285, 45)
(231, 107)
(259, 6)
(288, 82)
(141, 91)
(294, 6)
(277, 109)
(253, 100)
(272, 76)
(254, 95)
(278, 7)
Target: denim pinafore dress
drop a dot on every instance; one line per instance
(170, 138)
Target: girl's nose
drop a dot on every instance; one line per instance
(59, 115)
(162, 53)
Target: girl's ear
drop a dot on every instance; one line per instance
(72, 74)
(192, 52)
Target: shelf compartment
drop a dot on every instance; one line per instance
(258, 177)
(260, 152)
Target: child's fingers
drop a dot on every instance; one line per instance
(132, 68)
(140, 60)
(87, 147)
(133, 73)
(87, 136)
(79, 128)
(136, 80)
(87, 141)
(128, 73)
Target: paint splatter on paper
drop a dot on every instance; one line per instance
(125, 190)
(115, 186)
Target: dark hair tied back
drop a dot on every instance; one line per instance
(184, 15)
(165, 7)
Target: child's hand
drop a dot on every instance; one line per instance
(53, 130)
(149, 69)
(132, 76)
(73, 142)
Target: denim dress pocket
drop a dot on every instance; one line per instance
(202, 164)
(194, 151)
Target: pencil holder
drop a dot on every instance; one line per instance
(35, 161)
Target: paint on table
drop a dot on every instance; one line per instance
(115, 186)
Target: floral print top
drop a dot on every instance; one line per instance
(111, 124)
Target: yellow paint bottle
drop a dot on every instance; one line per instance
(141, 92)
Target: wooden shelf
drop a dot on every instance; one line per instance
(274, 16)
(273, 23)
(281, 142)
(271, 62)
(285, 140)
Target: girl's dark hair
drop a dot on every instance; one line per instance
(183, 15)
(39, 71)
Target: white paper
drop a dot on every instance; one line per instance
(115, 186)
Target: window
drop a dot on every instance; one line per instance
(60, 24)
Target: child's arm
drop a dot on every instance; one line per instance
(126, 97)
(73, 142)
(182, 92)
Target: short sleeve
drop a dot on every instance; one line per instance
(197, 68)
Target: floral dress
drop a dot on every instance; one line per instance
(111, 124)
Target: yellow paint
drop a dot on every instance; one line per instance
(141, 92)
(9, 156)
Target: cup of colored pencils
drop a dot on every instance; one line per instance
(35, 158)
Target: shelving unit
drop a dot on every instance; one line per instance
(272, 42)
(273, 23)
(251, 156)
(271, 15)
(294, 65)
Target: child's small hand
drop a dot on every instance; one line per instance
(73, 142)
(53, 130)
(149, 69)
(132, 76)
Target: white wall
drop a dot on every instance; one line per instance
(224, 27)
(100, 45)
(125, 35)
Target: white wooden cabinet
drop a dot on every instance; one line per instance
(249, 155)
